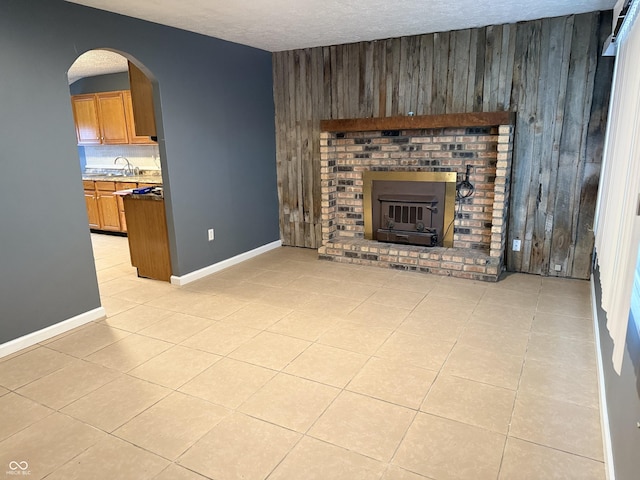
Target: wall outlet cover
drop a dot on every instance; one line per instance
(516, 245)
(211, 234)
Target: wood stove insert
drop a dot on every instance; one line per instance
(409, 219)
(414, 208)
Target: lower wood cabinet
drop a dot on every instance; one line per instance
(92, 208)
(148, 239)
(108, 206)
(104, 209)
(123, 218)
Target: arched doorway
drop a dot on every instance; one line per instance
(113, 155)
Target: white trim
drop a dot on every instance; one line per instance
(604, 412)
(51, 331)
(229, 262)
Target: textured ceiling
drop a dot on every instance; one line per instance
(96, 62)
(276, 25)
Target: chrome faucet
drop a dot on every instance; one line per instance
(128, 168)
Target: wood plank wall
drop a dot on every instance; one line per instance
(549, 71)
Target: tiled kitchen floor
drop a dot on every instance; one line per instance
(287, 367)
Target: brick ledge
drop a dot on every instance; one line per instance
(452, 262)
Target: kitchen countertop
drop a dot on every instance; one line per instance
(154, 179)
(146, 196)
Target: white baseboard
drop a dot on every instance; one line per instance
(51, 331)
(604, 411)
(216, 267)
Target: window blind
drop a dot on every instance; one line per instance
(617, 225)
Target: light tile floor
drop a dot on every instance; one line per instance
(287, 367)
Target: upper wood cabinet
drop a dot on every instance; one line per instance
(85, 114)
(111, 113)
(142, 100)
(106, 118)
(133, 138)
(100, 118)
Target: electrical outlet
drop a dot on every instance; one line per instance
(211, 236)
(557, 267)
(516, 245)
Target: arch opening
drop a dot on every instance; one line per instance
(114, 153)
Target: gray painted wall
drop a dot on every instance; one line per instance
(216, 139)
(623, 395)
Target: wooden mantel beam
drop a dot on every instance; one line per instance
(476, 119)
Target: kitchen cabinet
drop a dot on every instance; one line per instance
(113, 122)
(85, 114)
(108, 206)
(104, 209)
(123, 218)
(100, 118)
(148, 239)
(91, 203)
(131, 130)
(142, 101)
(102, 205)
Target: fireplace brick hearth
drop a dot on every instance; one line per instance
(449, 144)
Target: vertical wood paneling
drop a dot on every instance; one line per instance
(491, 69)
(458, 72)
(316, 97)
(306, 153)
(440, 72)
(336, 88)
(506, 67)
(279, 91)
(404, 78)
(379, 80)
(414, 68)
(594, 147)
(479, 77)
(426, 75)
(548, 71)
(295, 167)
(471, 69)
(573, 142)
(543, 98)
(558, 48)
(367, 52)
(393, 76)
(525, 190)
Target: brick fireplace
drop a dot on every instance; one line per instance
(475, 146)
